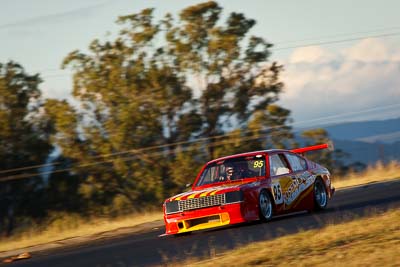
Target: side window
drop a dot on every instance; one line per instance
(278, 165)
(297, 163)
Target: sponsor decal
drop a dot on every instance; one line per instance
(298, 185)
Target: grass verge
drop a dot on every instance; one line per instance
(372, 241)
(374, 173)
(74, 226)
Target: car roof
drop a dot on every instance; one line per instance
(252, 153)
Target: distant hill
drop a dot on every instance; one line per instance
(367, 141)
(385, 131)
(369, 153)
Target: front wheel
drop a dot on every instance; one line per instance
(320, 195)
(265, 204)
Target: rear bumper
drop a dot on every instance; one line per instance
(204, 218)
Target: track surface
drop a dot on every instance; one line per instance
(149, 249)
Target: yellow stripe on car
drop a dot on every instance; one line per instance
(204, 194)
(180, 197)
(214, 192)
(192, 195)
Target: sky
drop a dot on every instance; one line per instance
(341, 58)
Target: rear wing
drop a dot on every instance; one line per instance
(303, 150)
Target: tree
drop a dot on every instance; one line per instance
(265, 129)
(23, 142)
(318, 136)
(272, 124)
(230, 67)
(333, 160)
(147, 94)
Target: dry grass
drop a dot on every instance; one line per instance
(74, 226)
(374, 173)
(372, 241)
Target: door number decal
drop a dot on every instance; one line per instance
(277, 191)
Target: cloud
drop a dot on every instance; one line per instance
(310, 54)
(368, 50)
(363, 79)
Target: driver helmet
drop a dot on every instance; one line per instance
(229, 172)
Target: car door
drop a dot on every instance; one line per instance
(297, 195)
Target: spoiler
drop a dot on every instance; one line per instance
(302, 150)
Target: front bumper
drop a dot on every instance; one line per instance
(204, 218)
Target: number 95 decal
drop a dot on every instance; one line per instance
(277, 192)
(258, 164)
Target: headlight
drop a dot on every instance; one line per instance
(171, 207)
(234, 196)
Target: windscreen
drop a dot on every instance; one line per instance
(233, 169)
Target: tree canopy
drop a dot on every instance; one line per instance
(164, 83)
(23, 140)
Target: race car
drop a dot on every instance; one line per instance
(250, 186)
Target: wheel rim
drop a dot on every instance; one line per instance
(320, 194)
(265, 206)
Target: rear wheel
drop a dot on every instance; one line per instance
(265, 204)
(320, 195)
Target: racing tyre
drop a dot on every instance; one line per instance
(265, 204)
(320, 195)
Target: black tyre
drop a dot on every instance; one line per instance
(265, 206)
(320, 195)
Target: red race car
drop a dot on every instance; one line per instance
(250, 186)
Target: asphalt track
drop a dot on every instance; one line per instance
(148, 249)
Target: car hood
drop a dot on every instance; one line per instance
(209, 191)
